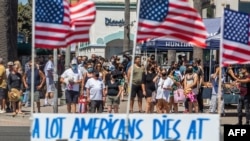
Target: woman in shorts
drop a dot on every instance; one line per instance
(113, 93)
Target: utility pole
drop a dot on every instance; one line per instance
(55, 77)
(126, 40)
(198, 52)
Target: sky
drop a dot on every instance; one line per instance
(23, 1)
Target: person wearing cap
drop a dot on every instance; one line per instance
(244, 97)
(113, 92)
(50, 86)
(8, 71)
(38, 82)
(3, 86)
(9, 68)
(72, 78)
(15, 82)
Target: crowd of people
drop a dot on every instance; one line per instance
(105, 82)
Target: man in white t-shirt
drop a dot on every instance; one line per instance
(72, 77)
(95, 93)
(50, 86)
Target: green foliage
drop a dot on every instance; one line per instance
(210, 12)
(24, 19)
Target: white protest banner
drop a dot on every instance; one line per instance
(143, 127)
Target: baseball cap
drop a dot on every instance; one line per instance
(73, 62)
(10, 63)
(113, 73)
(111, 68)
(1, 60)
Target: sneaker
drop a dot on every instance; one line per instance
(46, 105)
(2, 111)
(247, 123)
(186, 111)
(239, 123)
(8, 110)
(27, 104)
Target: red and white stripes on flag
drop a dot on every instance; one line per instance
(59, 24)
(82, 17)
(171, 18)
(236, 38)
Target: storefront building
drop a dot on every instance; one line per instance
(107, 33)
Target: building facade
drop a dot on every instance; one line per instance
(107, 33)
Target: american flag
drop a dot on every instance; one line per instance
(171, 18)
(59, 24)
(236, 38)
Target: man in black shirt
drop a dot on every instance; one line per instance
(244, 99)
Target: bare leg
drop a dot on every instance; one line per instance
(132, 104)
(69, 108)
(171, 103)
(51, 95)
(19, 107)
(140, 104)
(196, 107)
(122, 95)
(38, 105)
(152, 107)
(14, 107)
(148, 105)
(175, 107)
(190, 107)
(116, 107)
(73, 107)
(167, 107)
(3, 104)
(109, 108)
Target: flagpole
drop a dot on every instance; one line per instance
(220, 72)
(132, 69)
(33, 57)
(33, 65)
(55, 77)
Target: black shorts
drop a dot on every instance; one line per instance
(3, 93)
(149, 93)
(96, 106)
(136, 91)
(71, 96)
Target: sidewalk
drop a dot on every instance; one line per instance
(7, 119)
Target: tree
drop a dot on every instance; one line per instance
(25, 20)
(8, 26)
(198, 52)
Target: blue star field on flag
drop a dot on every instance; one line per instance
(49, 11)
(155, 10)
(236, 26)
